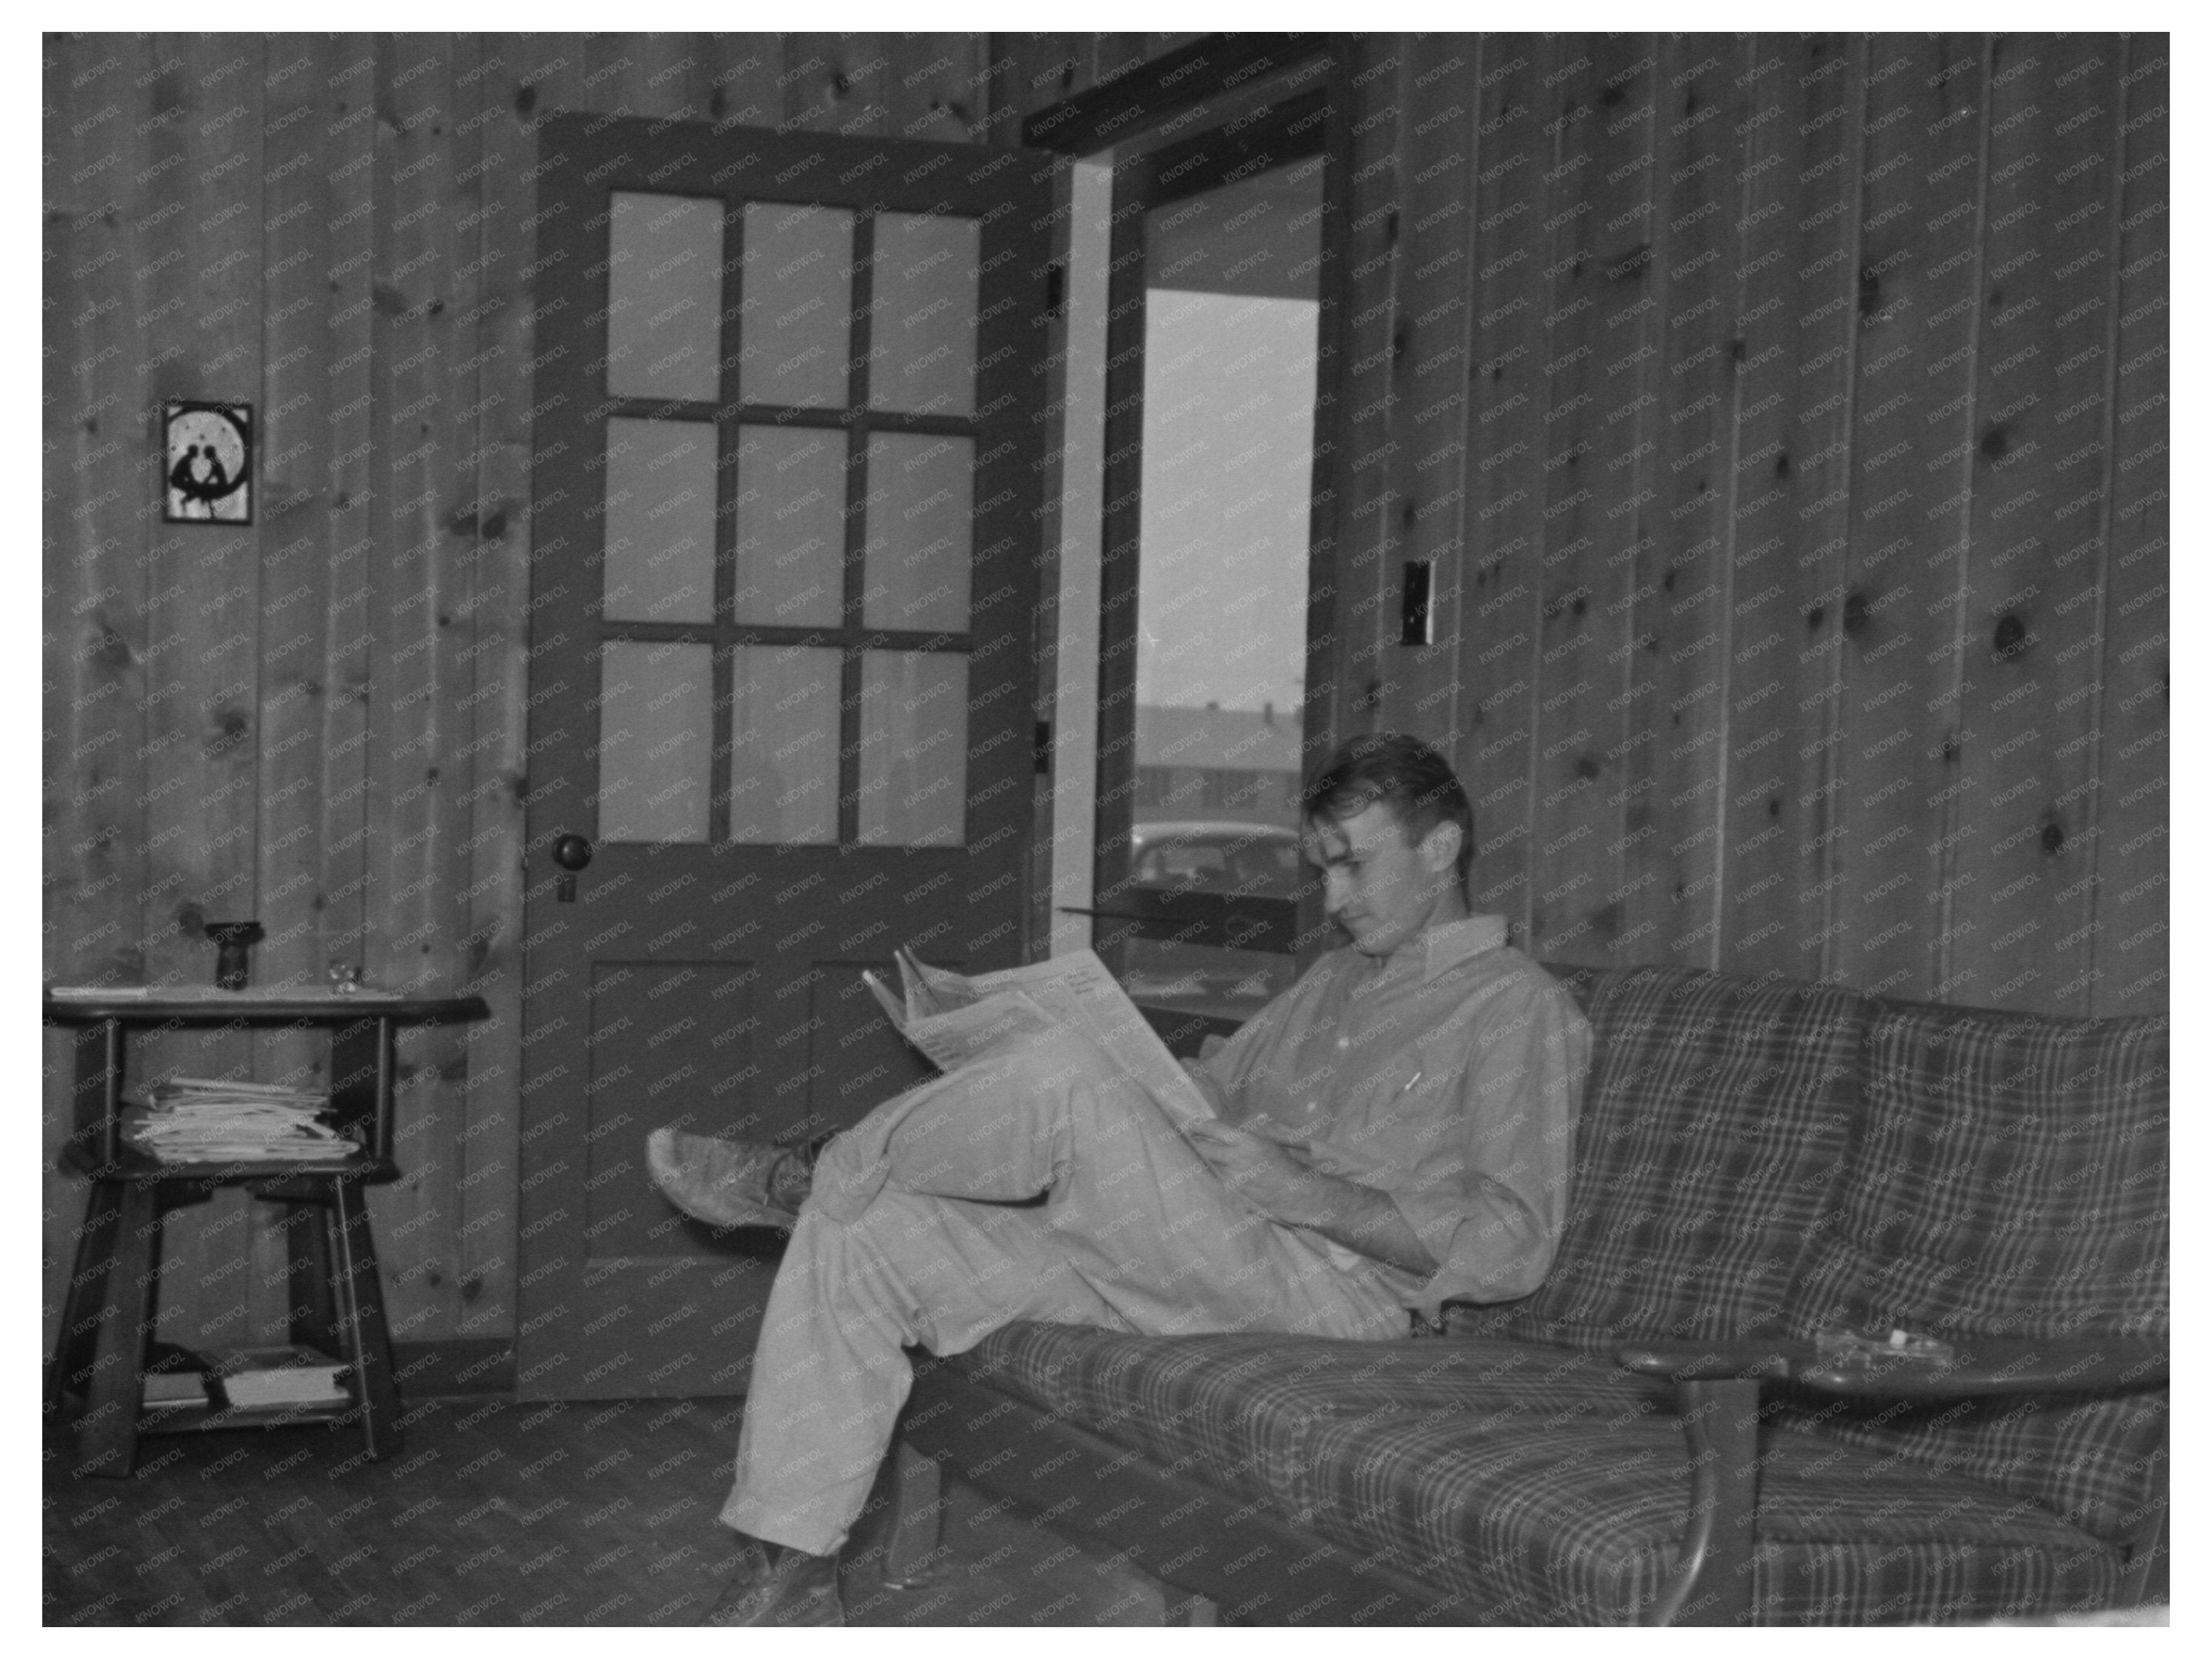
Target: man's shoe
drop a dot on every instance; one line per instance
(730, 1183)
(796, 1589)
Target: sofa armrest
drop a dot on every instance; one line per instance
(1953, 1368)
(1717, 1390)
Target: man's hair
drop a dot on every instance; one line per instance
(1398, 771)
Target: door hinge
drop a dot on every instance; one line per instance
(1041, 749)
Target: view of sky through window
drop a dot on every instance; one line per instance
(1229, 387)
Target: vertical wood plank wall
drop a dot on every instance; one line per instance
(1784, 416)
(318, 719)
(1799, 402)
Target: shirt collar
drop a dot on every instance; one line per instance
(1447, 947)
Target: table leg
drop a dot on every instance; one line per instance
(107, 1433)
(96, 1099)
(362, 1327)
(81, 1310)
(314, 1297)
(916, 1526)
(364, 1072)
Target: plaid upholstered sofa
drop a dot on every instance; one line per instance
(1661, 1432)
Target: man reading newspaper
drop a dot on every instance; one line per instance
(1391, 1132)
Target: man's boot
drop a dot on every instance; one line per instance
(774, 1585)
(732, 1183)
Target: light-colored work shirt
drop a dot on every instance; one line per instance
(1448, 1076)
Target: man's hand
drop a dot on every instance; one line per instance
(1276, 1181)
(1265, 1173)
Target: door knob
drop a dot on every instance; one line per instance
(572, 853)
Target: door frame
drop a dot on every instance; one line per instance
(1300, 120)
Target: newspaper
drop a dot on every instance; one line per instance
(192, 1120)
(954, 1019)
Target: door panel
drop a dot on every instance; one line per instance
(659, 557)
(796, 306)
(664, 299)
(926, 272)
(656, 709)
(787, 517)
(920, 538)
(790, 527)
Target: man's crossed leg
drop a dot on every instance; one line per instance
(908, 1238)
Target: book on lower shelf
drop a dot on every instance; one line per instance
(167, 1390)
(175, 1377)
(285, 1375)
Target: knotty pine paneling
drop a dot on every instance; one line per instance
(1796, 297)
(1028, 72)
(417, 624)
(337, 230)
(1890, 806)
(311, 732)
(1677, 662)
(1428, 386)
(345, 490)
(1601, 354)
(98, 379)
(1841, 528)
(1501, 619)
(202, 644)
(2132, 949)
(503, 245)
(1359, 443)
(1656, 345)
(2017, 910)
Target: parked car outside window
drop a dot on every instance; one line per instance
(1258, 869)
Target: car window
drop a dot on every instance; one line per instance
(1185, 864)
(1223, 862)
(1269, 867)
(1253, 869)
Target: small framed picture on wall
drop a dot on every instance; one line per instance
(207, 463)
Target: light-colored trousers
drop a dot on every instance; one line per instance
(908, 1238)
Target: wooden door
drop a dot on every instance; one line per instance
(788, 516)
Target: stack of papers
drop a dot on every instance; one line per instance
(282, 1377)
(191, 1120)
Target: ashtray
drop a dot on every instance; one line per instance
(1848, 1350)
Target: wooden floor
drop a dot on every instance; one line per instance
(502, 1514)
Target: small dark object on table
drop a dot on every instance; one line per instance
(233, 941)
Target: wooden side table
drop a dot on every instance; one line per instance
(97, 1374)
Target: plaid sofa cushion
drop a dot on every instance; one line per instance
(1717, 1111)
(1543, 1485)
(1569, 1506)
(2011, 1179)
(1223, 1409)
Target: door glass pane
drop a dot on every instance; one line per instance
(1232, 315)
(783, 733)
(791, 525)
(656, 733)
(921, 532)
(922, 350)
(659, 521)
(795, 326)
(914, 748)
(664, 297)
